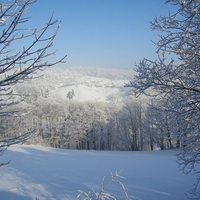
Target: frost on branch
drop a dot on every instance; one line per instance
(175, 77)
(103, 194)
(20, 64)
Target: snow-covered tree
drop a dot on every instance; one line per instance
(74, 126)
(131, 121)
(113, 132)
(20, 64)
(96, 129)
(177, 80)
(157, 123)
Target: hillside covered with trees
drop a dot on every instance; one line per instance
(117, 121)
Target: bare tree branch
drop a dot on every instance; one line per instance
(18, 65)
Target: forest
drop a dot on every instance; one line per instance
(128, 123)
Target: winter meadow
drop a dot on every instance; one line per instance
(99, 133)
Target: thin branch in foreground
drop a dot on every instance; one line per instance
(102, 194)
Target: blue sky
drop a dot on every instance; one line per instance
(102, 33)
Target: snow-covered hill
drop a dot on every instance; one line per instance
(94, 89)
(87, 84)
(55, 174)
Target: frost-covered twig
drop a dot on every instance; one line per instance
(4, 143)
(102, 194)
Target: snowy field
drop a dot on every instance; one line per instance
(94, 89)
(54, 174)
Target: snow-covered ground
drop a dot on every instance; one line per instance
(48, 174)
(88, 84)
(95, 89)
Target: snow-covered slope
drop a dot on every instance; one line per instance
(91, 84)
(55, 174)
(94, 89)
